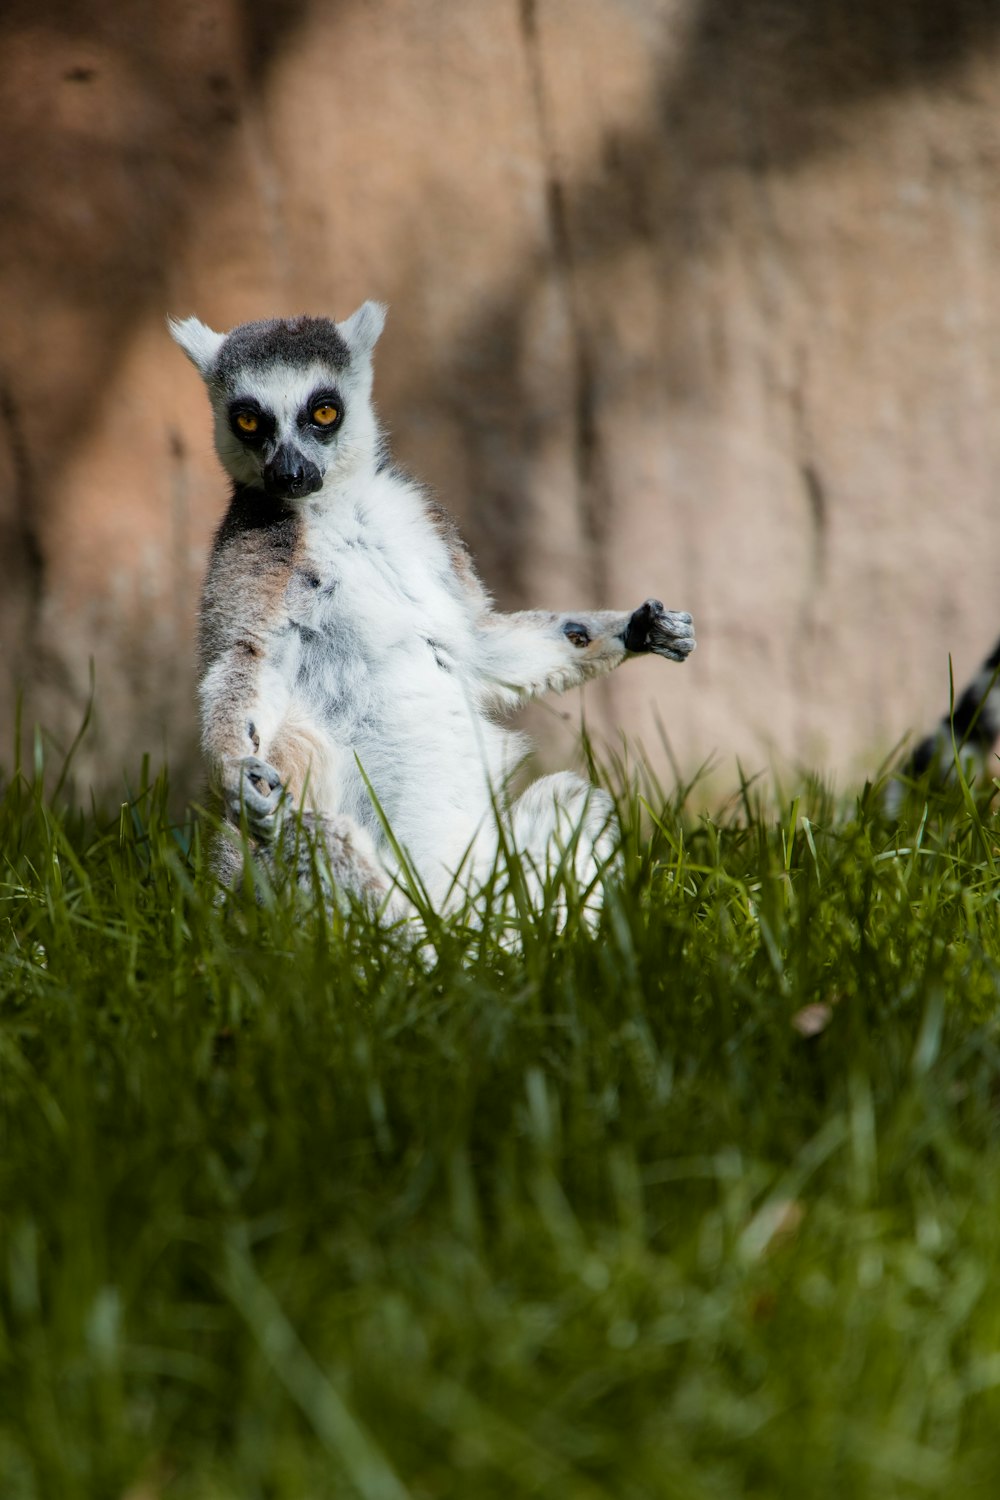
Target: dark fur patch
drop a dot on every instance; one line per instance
(970, 723)
(923, 755)
(438, 652)
(299, 342)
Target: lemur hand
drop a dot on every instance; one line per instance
(665, 632)
(251, 785)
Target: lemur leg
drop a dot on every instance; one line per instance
(534, 651)
(562, 820)
(336, 851)
(225, 855)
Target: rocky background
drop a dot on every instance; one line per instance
(697, 298)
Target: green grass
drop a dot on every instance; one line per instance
(289, 1208)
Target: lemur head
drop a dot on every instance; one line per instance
(292, 398)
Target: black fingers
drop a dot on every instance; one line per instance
(638, 628)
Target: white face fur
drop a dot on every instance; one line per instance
(291, 399)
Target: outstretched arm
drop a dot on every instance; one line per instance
(532, 652)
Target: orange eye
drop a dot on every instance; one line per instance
(247, 422)
(325, 415)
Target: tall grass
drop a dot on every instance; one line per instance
(705, 1203)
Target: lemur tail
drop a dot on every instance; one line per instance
(973, 726)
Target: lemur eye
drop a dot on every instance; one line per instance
(247, 422)
(325, 415)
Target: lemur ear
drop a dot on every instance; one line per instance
(200, 343)
(361, 330)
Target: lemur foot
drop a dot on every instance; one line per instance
(253, 787)
(665, 632)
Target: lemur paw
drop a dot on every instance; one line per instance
(254, 787)
(665, 632)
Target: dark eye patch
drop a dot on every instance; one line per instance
(314, 415)
(250, 422)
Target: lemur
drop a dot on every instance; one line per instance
(971, 727)
(347, 646)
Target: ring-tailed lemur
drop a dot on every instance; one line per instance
(346, 640)
(971, 727)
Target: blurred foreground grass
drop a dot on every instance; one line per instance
(704, 1205)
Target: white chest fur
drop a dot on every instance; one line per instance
(380, 640)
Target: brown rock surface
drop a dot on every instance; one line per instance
(689, 297)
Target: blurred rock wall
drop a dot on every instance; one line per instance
(695, 298)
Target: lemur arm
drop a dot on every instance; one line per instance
(534, 651)
(519, 656)
(242, 689)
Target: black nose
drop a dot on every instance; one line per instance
(290, 475)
